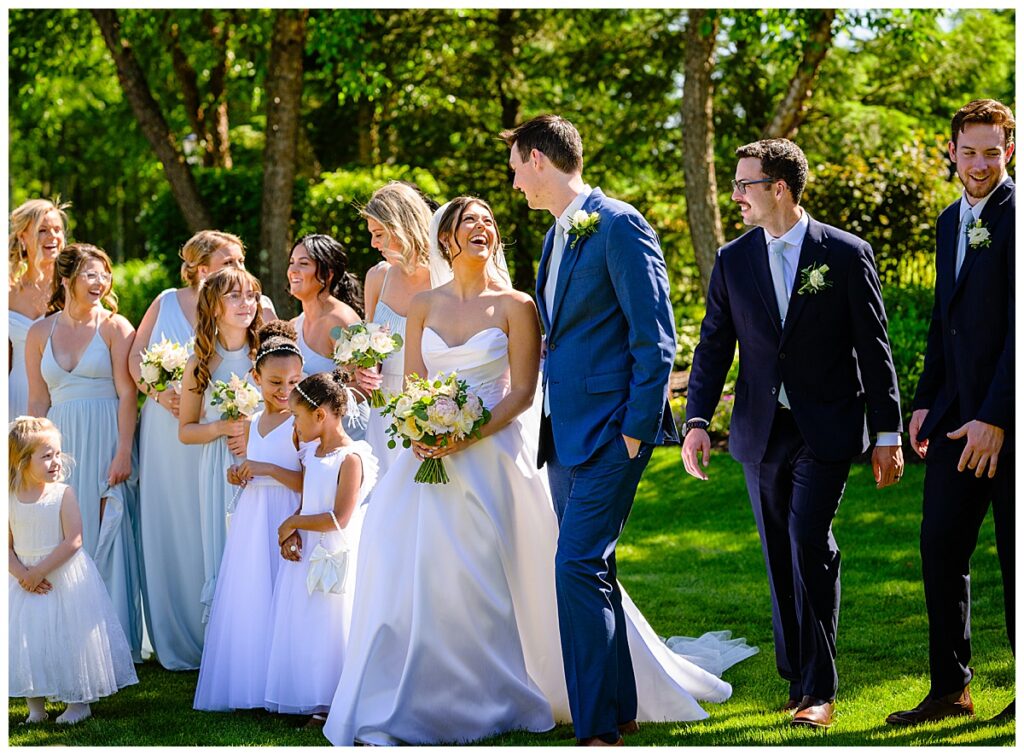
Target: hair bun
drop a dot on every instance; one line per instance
(339, 377)
(277, 329)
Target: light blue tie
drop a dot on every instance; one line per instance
(961, 244)
(550, 284)
(777, 262)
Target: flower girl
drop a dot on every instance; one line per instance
(233, 673)
(64, 639)
(312, 604)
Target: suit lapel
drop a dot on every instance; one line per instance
(571, 254)
(812, 252)
(945, 253)
(542, 277)
(762, 273)
(993, 208)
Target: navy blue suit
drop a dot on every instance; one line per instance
(968, 374)
(834, 358)
(610, 347)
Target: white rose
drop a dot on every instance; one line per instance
(977, 235)
(579, 217)
(247, 401)
(403, 407)
(373, 327)
(465, 423)
(817, 279)
(343, 353)
(175, 359)
(360, 342)
(411, 429)
(381, 342)
(151, 373)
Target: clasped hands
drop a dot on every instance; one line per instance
(240, 474)
(290, 541)
(984, 442)
(35, 582)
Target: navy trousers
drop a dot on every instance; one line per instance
(593, 501)
(795, 496)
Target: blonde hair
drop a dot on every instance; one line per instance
(69, 264)
(198, 250)
(406, 217)
(209, 309)
(26, 218)
(24, 435)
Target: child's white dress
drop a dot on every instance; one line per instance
(310, 631)
(66, 645)
(233, 673)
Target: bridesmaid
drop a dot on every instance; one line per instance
(77, 363)
(37, 237)
(169, 501)
(398, 220)
(228, 318)
(318, 277)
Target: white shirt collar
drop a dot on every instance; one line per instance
(565, 219)
(977, 209)
(795, 235)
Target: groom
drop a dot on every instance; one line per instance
(804, 303)
(603, 296)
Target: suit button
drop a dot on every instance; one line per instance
(551, 347)
(782, 355)
(773, 391)
(952, 331)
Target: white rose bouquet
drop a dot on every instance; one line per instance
(434, 412)
(365, 344)
(236, 398)
(163, 364)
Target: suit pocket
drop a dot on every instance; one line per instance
(609, 382)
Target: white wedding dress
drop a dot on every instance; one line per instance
(454, 632)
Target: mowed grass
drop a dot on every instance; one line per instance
(691, 560)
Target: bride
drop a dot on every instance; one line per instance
(454, 632)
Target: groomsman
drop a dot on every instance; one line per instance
(603, 296)
(804, 302)
(962, 423)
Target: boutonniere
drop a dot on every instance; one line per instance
(582, 225)
(978, 235)
(812, 279)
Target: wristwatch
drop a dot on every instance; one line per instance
(695, 424)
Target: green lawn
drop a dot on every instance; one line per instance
(691, 560)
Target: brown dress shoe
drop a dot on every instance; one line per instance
(790, 707)
(630, 727)
(935, 709)
(814, 713)
(598, 742)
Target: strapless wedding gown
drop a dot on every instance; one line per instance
(454, 632)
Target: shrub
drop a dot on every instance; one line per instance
(909, 309)
(137, 283)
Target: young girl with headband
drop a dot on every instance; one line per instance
(311, 611)
(233, 673)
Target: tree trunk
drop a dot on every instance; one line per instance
(792, 108)
(701, 189)
(284, 96)
(151, 121)
(216, 113)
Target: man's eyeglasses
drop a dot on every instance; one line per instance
(741, 185)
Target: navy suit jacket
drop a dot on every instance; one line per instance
(611, 335)
(833, 353)
(969, 359)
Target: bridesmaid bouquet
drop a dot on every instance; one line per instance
(236, 398)
(365, 344)
(434, 412)
(163, 363)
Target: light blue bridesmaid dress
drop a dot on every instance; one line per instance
(392, 372)
(83, 405)
(172, 545)
(214, 491)
(314, 362)
(17, 381)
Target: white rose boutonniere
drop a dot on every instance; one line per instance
(812, 279)
(582, 225)
(978, 235)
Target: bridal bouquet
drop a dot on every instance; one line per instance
(434, 412)
(163, 363)
(236, 398)
(365, 344)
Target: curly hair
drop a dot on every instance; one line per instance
(324, 389)
(209, 309)
(26, 218)
(67, 267)
(331, 262)
(277, 338)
